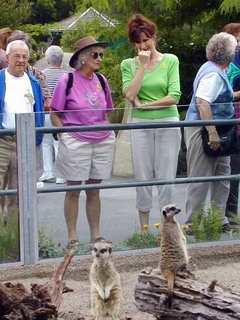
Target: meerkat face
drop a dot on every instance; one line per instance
(169, 212)
(102, 249)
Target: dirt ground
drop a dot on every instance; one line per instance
(207, 263)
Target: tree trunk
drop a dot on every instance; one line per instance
(43, 302)
(192, 299)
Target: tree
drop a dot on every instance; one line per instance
(45, 11)
(230, 6)
(184, 29)
(15, 13)
(42, 11)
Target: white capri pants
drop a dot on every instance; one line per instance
(155, 155)
(48, 144)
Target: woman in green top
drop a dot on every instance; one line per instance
(151, 82)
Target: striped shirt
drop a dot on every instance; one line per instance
(52, 75)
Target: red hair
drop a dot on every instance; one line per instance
(232, 28)
(4, 34)
(138, 24)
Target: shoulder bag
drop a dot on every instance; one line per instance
(229, 142)
(123, 161)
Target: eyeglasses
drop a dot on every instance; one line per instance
(19, 56)
(95, 55)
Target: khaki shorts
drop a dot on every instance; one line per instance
(8, 161)
(80, 161)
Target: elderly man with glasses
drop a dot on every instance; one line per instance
(19, 93)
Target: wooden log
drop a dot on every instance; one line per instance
(57, 281)
(44, 300)
(192, 298)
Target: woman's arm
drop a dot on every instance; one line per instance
(134, 86)
(158, 104)
(236, 95)
(55, 118)
(205, 113)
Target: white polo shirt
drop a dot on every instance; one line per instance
(18, 98)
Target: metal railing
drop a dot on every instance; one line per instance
(27, 190)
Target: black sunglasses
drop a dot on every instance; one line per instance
(95, 55)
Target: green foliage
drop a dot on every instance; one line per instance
(9, 240)
(208, 226)
(70, 37)
(46, 247)
(235, 218)
(94, 27)
(14, 13)
(37, 30)
(229, 6)
(142, 239)
(84, 248)
(39, 34)
(45, 11)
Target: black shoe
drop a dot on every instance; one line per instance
(227, 227)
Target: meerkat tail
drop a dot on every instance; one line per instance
(170, 281)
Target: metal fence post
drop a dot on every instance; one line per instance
(27, 192)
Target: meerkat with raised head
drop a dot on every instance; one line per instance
(173, 255)
(106, 293)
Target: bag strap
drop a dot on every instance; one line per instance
(127, 114)
(134, 66)
(103, 84)
(70, 83)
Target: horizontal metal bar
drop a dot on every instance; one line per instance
(7, 132)
(132, 184)
(148, 125)
(127, 126)
(8, 192)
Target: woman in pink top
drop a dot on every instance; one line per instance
(83, 156)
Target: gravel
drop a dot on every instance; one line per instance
(207, 263)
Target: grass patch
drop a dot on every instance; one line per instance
(9, 240)
(144, 239)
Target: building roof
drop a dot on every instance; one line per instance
(89, 14)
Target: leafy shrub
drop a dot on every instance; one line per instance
(143, 239)
(208, 226)
(46, 247)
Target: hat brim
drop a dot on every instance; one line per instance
(75, 55)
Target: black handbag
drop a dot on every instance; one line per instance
(229, 142)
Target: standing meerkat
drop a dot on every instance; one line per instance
(106, 293)
(173, 255)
